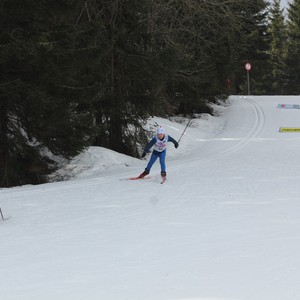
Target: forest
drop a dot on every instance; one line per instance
(76, 73)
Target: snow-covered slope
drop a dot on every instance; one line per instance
(225, 225)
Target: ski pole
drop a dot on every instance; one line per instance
(185, 129)
(1, 214)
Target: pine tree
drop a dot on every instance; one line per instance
(195, 33)
(208, 41)
(43, 109)
(128, 72)
(278, 39)
(292, 81)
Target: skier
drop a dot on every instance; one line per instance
(160, 145)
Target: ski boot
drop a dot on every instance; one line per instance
(145, 173)
(163, 176)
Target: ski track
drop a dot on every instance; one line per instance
(258, 124)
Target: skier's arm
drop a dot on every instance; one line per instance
(149, 146)
(173, 141)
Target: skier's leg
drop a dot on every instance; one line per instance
(162, 160)
(152, 160)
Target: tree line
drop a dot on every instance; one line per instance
(76, 73)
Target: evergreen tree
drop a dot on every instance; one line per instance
(204, 41)
(292, 81)
(278, 39)
(42, 107)
(128, 70)
(196, 34)
(248, 42)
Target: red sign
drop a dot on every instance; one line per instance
(248, 66)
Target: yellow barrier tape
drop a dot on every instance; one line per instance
(289, 129)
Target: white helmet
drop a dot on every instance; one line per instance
(160, 130)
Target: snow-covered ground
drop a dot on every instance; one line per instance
(225, 225)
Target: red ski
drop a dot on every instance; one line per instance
(136, 178)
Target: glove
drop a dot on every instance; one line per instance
(176, 145)
(144, 154)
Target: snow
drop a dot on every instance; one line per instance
(285, 3)
(225, 225)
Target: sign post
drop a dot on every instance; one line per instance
(248, 68)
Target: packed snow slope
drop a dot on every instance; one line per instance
(225, 225)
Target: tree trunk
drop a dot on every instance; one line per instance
(3, 143)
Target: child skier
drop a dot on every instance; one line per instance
(160, 145)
